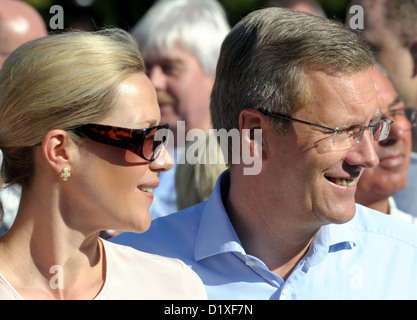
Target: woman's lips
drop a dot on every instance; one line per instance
(148, 188)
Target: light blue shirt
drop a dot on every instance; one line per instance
(406, 199)
(373, 256)
(165, 196)
(396, 212)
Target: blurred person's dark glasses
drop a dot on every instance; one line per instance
(140, 142)
(406, 113)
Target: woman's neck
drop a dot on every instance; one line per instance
(42, 252)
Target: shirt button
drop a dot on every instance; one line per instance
(250, 263)
(284, 291)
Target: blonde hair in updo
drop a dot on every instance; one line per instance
(59, 81)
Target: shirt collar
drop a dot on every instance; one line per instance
(330, 238)
(216, 234)
(396, 212)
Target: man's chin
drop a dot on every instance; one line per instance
(168, 115)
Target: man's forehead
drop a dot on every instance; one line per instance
(353, 92)
(173, 52)
(375, 20)
(386, 93)
(350, 84)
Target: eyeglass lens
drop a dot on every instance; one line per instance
(346, 138)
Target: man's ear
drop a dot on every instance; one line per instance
(55, 147)
(251, 126)
(413, 51)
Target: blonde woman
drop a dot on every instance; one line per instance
(78, 119)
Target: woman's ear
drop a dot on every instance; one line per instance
(55, 149)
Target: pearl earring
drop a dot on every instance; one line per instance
(65, 174)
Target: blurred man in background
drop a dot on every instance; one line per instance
(390, 29)
(180, 42)
(377, 186)
(19, 23)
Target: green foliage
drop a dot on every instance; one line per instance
(40, 4)
(237, 9)
(335, 9)
(125, 13)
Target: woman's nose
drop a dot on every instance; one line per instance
(164, 162)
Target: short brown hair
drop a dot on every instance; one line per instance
(263, 60)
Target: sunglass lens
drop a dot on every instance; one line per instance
(153, 143)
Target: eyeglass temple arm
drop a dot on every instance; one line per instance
(285, 117)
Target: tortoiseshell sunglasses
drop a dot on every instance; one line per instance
(140, 142)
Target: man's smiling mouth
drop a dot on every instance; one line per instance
(342, 181)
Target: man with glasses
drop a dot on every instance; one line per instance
(293, 231)
(378, 185)
(391, 32)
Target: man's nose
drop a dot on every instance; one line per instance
(157, 77)
(363, 153)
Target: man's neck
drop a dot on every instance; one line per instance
(381, 205)
(277, 243)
